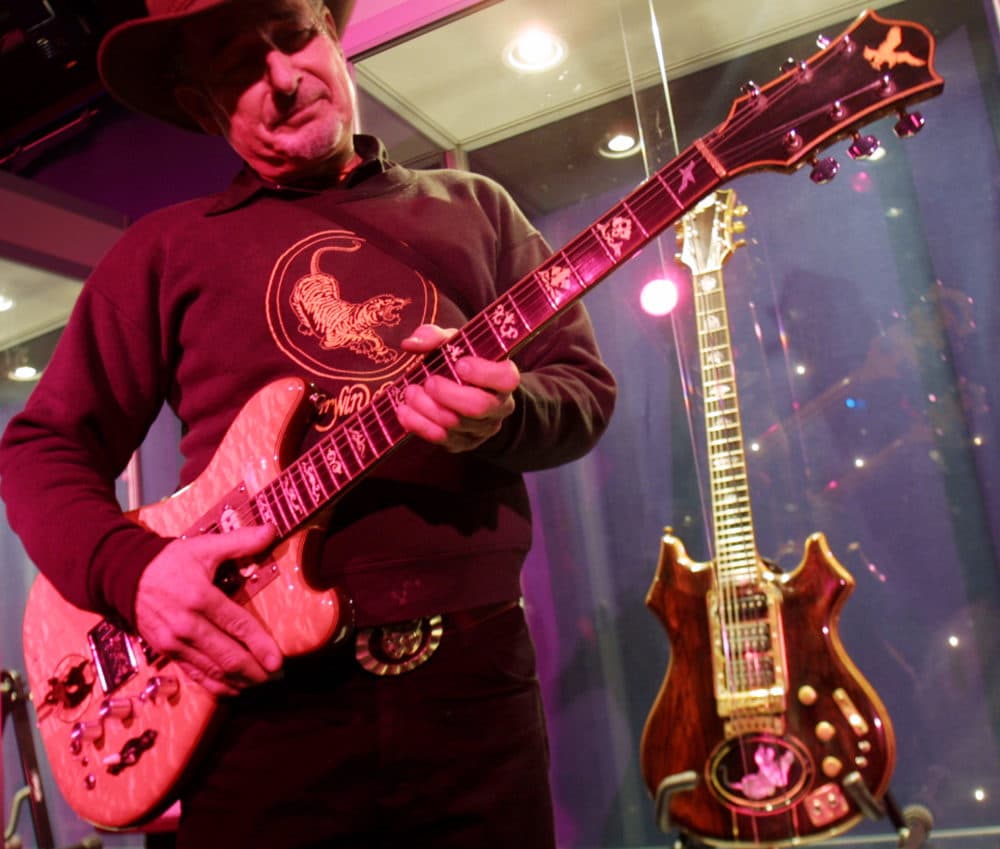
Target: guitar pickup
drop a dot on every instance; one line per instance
(113, 654)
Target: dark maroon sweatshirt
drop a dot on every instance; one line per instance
(202, 304)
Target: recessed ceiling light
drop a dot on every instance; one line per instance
(23, 373)
(619, 145)
(535, 50)
(6, 302)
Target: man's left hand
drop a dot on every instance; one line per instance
(458, 416)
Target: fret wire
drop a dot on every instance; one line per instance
(303, 483)
(632, 215)
(496, 333)
(313, 480)
(291, 498)
(276, 499)
(375, 414)
(351, 453)
(327, 477)
(388, 413)
(734, 541)
(602, 243)
(268, 493)
(737, 480)
(580, 255)
(286, 486)
(333, 459)
(520, 316)
(477, 341)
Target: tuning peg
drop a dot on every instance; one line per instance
(909, 124)
(739, 227)
(824, 170)
(750, 88)
(791, 64)
(863, 146)
(822, 42)
(740, 210)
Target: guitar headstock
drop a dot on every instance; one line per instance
(876, 67)
(705, 235)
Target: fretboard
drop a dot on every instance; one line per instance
(736, 549)
(356, 444)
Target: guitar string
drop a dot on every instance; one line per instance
(778, 91)
(712, 301)
(712, 403)
(740, 662)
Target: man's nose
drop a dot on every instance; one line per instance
(281, 72)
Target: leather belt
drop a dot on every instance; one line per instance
(398, 647)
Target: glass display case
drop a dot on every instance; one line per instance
(850, 397)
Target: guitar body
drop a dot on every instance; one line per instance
(782, 779)
(104, 700)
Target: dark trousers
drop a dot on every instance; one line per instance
(451, 755)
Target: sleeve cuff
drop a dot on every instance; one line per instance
(117, 566)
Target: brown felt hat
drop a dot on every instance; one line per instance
(136, 59)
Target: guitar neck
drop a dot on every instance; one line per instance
(777, 126)
(367, 436)
(735, 556)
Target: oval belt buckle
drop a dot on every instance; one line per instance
(398, 647)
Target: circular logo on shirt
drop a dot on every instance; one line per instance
(339, 307)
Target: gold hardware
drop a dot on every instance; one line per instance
(832, 766)
(850, 712)
(826, 804)
(825, 731)
(398, 647)
(807, 695)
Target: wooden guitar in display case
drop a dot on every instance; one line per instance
(764, 732)
(121, 725)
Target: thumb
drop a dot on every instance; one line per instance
(427, 337)
(239, 542)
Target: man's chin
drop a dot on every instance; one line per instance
(292, 165)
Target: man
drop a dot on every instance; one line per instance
(325, 260)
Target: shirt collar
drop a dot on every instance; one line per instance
(247, 184)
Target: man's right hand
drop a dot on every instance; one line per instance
(182, 614)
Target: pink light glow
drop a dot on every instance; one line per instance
(659, 297)
(861, 182)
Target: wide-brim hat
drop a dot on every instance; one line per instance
(137, 58)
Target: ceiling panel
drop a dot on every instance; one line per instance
(451, 84)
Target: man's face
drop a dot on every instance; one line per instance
(271, 77)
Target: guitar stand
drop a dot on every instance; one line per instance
(15, 705)
(913, 823)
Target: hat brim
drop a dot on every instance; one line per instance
(136, 60)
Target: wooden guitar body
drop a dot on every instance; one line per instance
(119, 724)
(764, 777)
